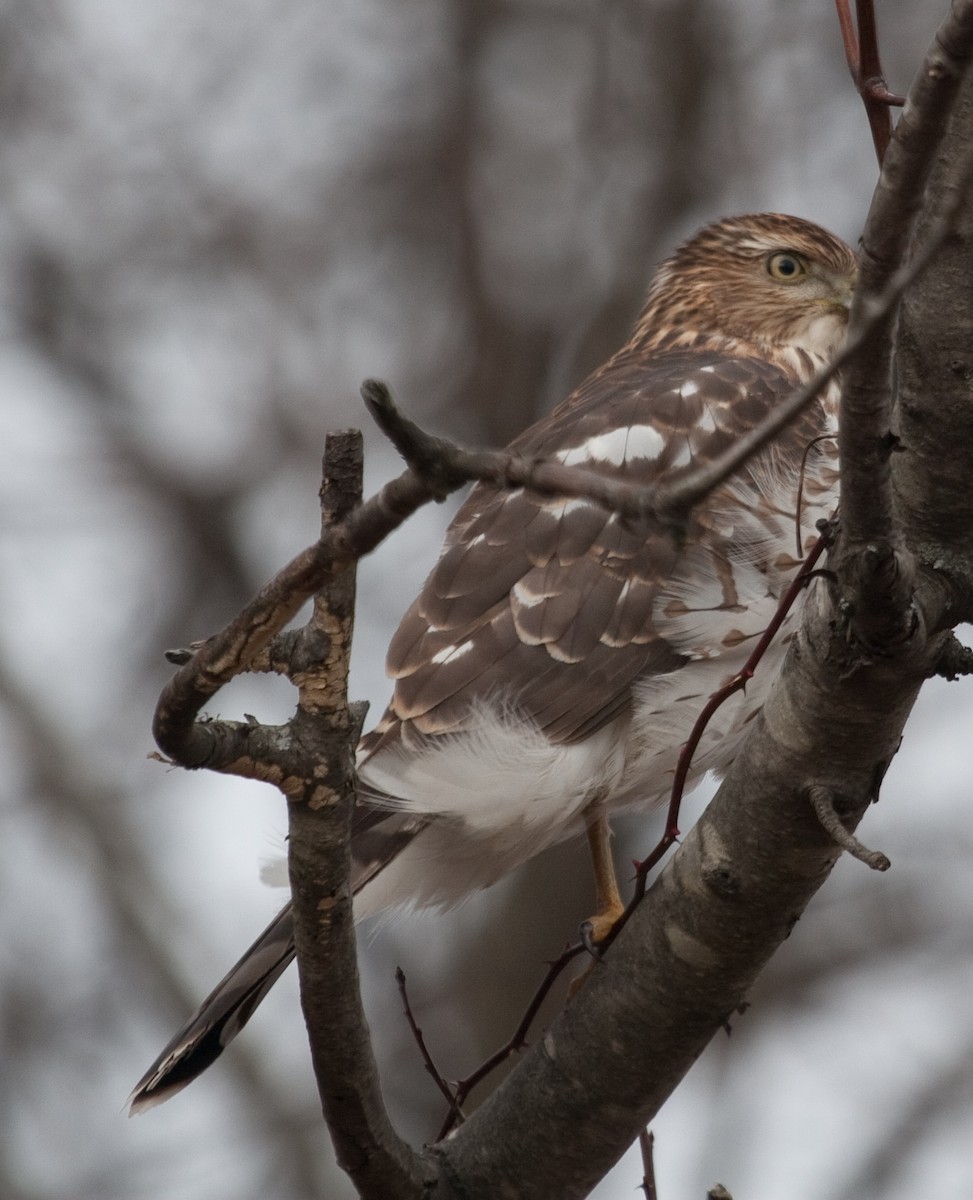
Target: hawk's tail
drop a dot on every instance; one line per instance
(379, 837)
(219, 1018)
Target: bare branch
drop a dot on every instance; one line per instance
(320, 787)
(311, 761)
(954, 660)
(647, 1145)
(427, 1059)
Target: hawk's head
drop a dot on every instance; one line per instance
(766, 278)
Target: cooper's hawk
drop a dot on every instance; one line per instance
(558, 654)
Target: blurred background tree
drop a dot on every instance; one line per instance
(213, 225)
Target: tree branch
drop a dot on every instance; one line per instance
(885, 578)
(311, 760)
(321, 795)
(876, 570)
(934, 367)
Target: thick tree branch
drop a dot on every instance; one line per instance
(864, 442)
(321, 797)
(871, 552)
(934, 369)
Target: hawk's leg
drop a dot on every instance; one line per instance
(608, 902)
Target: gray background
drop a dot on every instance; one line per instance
(215, 220)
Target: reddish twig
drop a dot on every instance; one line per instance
(738, 683)
(799, 501)
(861, 52)
(517, 1041)
(427, 1058)
(671, 834)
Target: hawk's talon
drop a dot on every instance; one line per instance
(586, 932)
(595, 932)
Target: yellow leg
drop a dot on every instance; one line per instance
(608, 902)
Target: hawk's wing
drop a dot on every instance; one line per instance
(557, 606)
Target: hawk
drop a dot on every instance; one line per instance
(558, 655)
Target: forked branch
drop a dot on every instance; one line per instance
(861, 53)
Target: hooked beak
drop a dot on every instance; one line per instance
(847, 293)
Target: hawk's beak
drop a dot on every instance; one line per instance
(847, 293)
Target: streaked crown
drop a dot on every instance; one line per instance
(766, 279)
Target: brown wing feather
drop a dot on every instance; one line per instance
(549, 603)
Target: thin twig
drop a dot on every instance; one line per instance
(427, 1059)
(671, 833)
(822, 801)
(647, 1145)
(517, 1041)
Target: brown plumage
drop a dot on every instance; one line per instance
(556, 657)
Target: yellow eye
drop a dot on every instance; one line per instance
(786, 268)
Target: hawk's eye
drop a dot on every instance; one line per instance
(786, 268)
